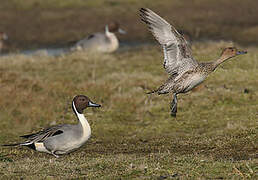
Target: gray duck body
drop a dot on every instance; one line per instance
(68, 141)
(103, 42)
(65, 138)
(98, 42)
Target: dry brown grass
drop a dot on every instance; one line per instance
(134, 136)
(34, 23)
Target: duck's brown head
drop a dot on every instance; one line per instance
(230, 52)
(3, 36)
(115, 27)
(81, 102)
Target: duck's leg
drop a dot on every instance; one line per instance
(53, 153)
(173, 106)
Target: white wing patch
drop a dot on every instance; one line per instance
(41, 148)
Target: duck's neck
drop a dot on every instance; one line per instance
(219, 61)
(86, 130)
(112, 37)
(85, 126)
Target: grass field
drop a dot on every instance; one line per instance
(37, 23)
(133, 136)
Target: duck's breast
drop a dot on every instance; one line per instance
(110, 44)
(193, 81)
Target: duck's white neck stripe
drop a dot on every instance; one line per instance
(114, 43)
(106, 29)
(107, 32)
(85, 125)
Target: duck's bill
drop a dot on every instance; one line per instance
(241, 52)
(121, 31)
(91, 104)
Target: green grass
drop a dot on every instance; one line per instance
(133, 135)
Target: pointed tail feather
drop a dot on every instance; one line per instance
(18, 144)
(151, 92)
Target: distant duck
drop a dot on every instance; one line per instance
(3, 38)
(184, 71)
(105, 42)
(65, 138)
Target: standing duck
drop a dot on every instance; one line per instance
(106, 42)
(62, 139)
(184, 71)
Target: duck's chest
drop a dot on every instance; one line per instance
(111, 44)
(193, 81)
(75, 138)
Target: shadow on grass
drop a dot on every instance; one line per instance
(5, 158)
(235, 148)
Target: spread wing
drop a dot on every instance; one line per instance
(177, 54)
(45, 133)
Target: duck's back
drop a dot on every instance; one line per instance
(98, 42)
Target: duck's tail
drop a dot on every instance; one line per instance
(153, 91)
(18, 144)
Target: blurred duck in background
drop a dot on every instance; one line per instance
(103, 42)
(3, 38)
(184, 71)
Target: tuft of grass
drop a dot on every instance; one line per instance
(133, 136)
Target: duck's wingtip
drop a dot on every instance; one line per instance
(151, 92)
(143, 9)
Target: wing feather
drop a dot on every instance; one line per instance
(177, 54)
(45, 133)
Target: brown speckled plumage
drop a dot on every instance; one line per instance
(185, 72)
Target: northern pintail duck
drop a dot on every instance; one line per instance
(3, 38)
(106, 42)
(62, 139)
(184, 71)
